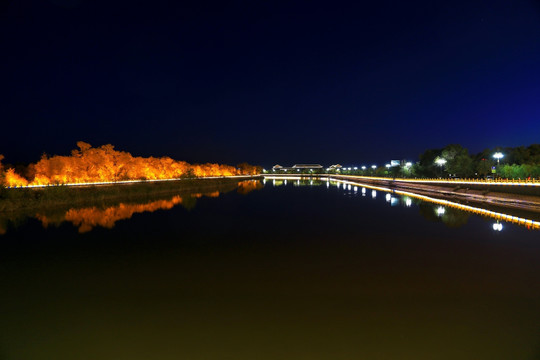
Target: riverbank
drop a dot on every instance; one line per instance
(60, 196)
(519, 198)
(516, 197)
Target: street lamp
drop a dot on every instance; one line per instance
(440, 161)
(498, 156)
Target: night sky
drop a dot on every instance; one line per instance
(268, 81)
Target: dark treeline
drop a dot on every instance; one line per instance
(517, 163)
(455, 161)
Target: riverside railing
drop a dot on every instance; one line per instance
(500, 182)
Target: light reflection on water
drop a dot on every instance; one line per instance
(88, 218)
(451, 213)
(295, 271)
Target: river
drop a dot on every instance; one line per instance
(296, 270)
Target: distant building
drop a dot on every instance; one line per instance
(307, 166)
(335, 167)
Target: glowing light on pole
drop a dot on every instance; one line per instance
(440, 161)
(498, 156)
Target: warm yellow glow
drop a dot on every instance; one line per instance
(88, 218)
(105, 164)
(248, 186)
(11, 178)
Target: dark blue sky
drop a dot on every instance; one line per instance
(268, 81)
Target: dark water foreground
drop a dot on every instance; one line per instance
(294, 271)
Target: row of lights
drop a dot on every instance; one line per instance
(440, 210)
(441, 161)
(407, 165)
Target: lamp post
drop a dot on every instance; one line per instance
(440, 161)
(498, 156)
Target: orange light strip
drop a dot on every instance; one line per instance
(129, 181)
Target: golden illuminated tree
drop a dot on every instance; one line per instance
(11, 178)
(88, 164)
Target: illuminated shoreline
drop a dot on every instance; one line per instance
(472, 209)
(88, 207)
(125, 182)
(477, 210)
(532, 183)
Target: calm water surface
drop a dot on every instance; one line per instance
(294, 271)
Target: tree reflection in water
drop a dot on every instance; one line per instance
(88, 218)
